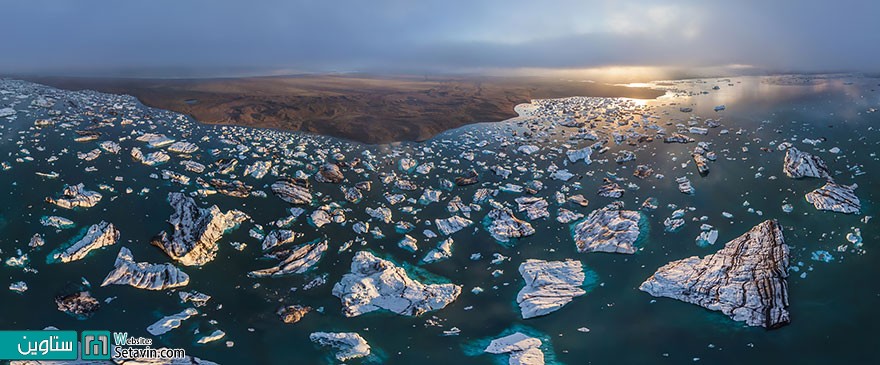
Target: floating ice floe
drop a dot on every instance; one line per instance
(144, 275)
(292, 313)
(745, 280)
(678, 138)
(528, 149)
(155, 140)
(374, 284)
(171, 322)
(150, 159)
(565, 216)
(183, 148)
(110, 147)
(213, 336)
(800, 164)
(452, 224)
(581, 154)
(549, 286)
(608, 229)
(196, 230)
(821, 255)
(707, 237)
(348, 345)
(80, 305)
(99, 235)
(610, 189)
(197, 299)
(504, 226)
(684, 185)
(89, 156)
(57, 222)
(523, 350)
(76, 196)
(297, 261)
(443, 251)
(329, 173)
(278, 237)
(36, 241)
(836, 198)
(534, 207)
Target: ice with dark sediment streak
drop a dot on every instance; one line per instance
(684, 185)
(678, 138)
(567, 216)
(292, 313)
(36, 241)
(144, 275)
(375, 284)
(534, 207)
(452, 224)
(299, 260)
(150, 159)
(196, 230)
(278, 237)
(99, 235)
(194, 297)
(292, 190)
(745, 280)
(258, 169)
(80, 305)
(549, 286)
(800, 164)
(193, 166)
(836, 198)
(183, 147)
(348, 345)
(702, 163)
(610, 189)
(504, 226)
(76, 196)
(608, 229)
(329, 173)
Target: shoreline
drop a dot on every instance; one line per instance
(368, 110)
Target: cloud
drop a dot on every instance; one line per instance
(198, 37)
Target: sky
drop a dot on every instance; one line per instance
(182, 38)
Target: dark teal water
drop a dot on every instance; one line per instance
(833, 308)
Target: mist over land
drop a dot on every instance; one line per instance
(232, 39)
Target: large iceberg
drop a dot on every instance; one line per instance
(374, 284)
(196, 230)
(745, 280)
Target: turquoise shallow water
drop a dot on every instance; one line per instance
(833, 308)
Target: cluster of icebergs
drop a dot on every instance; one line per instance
(513, 181)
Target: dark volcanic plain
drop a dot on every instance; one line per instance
(369, 109)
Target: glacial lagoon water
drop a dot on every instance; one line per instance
(833, 304)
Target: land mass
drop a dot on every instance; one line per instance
(364, 108)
